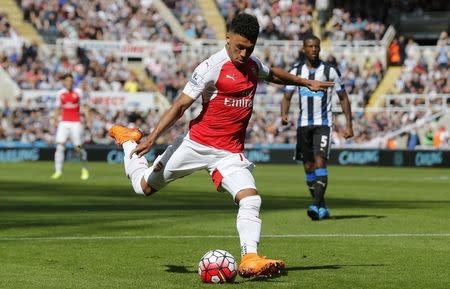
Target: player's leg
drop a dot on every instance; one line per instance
(177, 161)
(82, 156)
(321, 151)
(310, 176)
(135, 166)
(305, 154)
(239, 182)
(76, 133)
(305, 141)
(62, 134)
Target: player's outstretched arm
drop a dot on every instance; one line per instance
(346, 108)
(280, 76)
(169, 117)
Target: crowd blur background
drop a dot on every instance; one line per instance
(131, 59)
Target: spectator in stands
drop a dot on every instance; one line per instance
(394, 53)
(131, 85)
(402, 45)
(391, 143)
(440, 137)
(6, 30)
(428, 138)
(413, 140)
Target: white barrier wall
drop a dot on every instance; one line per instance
(109, 100)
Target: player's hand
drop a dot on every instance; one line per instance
(284, 120)
(319, 85)
(142, 148)
(348, 132)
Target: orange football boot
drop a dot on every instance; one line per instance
(253, 265)
(122, 134)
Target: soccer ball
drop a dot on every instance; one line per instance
(217, 266)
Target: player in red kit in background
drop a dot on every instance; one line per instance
(68, 114)
(226, 83)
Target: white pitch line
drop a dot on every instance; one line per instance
(63, 238)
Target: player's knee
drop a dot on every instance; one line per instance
(245, 193)
(147, 190)
(251, 202)
(60, 148)
(321, 160)
(309, 166)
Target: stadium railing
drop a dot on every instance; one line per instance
(418, 101)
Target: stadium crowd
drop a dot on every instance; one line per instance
(191, 18)
(32, 123)
(32, 68)
(344, 26)
(423, 71)
(97, 20)
(279, 20)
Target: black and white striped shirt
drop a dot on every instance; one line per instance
(315, 106)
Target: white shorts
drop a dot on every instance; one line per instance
(229, 171)
(69, 129)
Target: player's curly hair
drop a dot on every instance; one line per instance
(245, 25)
(66, 75)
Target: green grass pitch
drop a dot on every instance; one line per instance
(390, 229)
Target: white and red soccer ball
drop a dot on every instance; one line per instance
(217, 266)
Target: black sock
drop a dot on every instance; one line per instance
(310, 182)
(311, 187)
(320, 187)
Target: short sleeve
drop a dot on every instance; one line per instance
(83, 96)
(335, 76)
(203, 78)
(291, 88)
(264, 70)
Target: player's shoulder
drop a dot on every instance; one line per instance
(78, 91)
(297, 66)
(61, 91)
(255, 58)
(331, 66)
(213, 62)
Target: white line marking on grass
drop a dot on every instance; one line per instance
(63, 238)
(404, 178)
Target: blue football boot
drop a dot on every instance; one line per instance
(313, 212)
(323, 213)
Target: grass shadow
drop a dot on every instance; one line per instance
(179, 269)
(343, 217)
(328, 267)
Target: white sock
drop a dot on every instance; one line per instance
(248, 224)
(59, 158)
(134, 167)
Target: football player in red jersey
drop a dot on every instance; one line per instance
(226, 82)
(69, 127)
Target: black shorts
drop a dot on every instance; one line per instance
(312, 141)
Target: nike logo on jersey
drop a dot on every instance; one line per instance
(230, 77)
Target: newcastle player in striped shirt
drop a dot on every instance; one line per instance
(315, 121)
